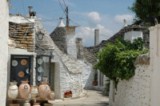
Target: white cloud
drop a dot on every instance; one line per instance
(87, 34)
(127, 17)
(94, 16)
(105, 32)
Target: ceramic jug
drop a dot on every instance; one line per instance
(13, 90)
(24, 90)
(44, 90)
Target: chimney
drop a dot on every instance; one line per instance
(61, 24)
(31, 12)
(96, 37)
(125, 22)
(79, 48)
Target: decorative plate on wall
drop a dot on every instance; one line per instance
(40, 61)
(39, 78)
(40, 69)
(24, 62)
(14, 63)
(27, 71)
(21, 74)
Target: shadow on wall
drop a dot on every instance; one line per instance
(89, 83)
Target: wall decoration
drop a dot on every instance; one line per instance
(40, 69)
(27, 70)
(40, 61)
(24, 62)
(39, 78)
(14, 63)
(21, 74)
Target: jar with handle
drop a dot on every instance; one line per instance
(24, 90)
(44, 90)
(13, 90)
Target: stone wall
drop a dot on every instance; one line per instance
(22, 35)
(73, 74)
(3, 50)
(59, 38)
(137, 90)
(155, 63)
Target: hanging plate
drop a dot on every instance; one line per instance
(39, 78)
(40, 69)
(27, 71)
(21, 74)
(14, 63)
(24, 62)
(40, 61)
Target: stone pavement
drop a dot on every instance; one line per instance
(93, 98)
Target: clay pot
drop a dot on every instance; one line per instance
(13, 90)
(52, 95)
(36, 104)
(34, 91)
(24, 90)
(44, 90)
(27, 103)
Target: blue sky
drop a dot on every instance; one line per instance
(106, 15)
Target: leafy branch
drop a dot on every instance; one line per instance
(116, 60)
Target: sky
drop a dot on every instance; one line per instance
(88, 15)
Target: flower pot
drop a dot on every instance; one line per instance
(24, 90)
(13, 90)
(44, 90)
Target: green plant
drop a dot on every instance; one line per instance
(116, 60)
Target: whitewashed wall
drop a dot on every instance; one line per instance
(136, 91)
(73, 74)
(3, 50)
(131, 35)
(71, 46)
(155, 63)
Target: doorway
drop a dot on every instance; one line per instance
(21, 68)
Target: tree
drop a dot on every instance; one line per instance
(116, 60)
(147, 10)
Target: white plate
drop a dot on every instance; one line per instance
(27, 71)
(40, 61)
(40, 69)
(39, 78)
(14, 63)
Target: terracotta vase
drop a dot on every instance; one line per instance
(24, 90)
(34, 91)
(36, 104)
(13, 90)
(44, 90)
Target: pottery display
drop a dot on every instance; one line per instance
(24, 90)
(36, 104)
(13, 90)
(27, 103)
(34, 91)
(52, 95)
(44, 90)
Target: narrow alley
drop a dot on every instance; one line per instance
(92, 98)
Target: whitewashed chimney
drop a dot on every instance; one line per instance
(61, 23)
(96, 37)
